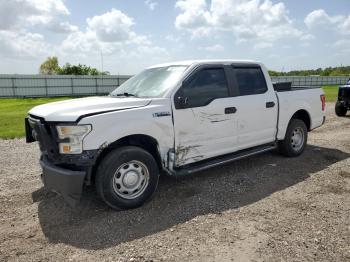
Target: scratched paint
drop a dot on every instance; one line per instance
(213, 118)
(186, 153)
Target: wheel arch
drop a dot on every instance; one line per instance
(146, 142)
(304, 116)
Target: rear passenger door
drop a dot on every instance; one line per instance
(256, 107)
(203, 115)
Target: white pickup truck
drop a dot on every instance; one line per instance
(175, 118)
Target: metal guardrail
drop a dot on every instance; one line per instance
(61, 85)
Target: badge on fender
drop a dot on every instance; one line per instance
(160, 114)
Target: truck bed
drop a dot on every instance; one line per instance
(306, 98)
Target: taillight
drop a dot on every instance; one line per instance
(323, 101)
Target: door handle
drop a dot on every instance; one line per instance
(230, 110)
(270, 104)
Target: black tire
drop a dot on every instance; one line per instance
(340, 110)
(117, 160)
(288, 146)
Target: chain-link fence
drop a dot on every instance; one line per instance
(60, 85)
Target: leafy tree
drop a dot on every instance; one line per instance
(50, 66)
(79, 69)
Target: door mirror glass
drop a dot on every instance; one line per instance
(182, 101)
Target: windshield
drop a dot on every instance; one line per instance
(153, 82)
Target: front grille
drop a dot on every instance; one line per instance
(42, 132)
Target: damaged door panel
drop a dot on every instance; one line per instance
(203, 128)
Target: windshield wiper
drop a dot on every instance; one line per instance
(126, 94)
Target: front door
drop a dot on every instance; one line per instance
(204, 116)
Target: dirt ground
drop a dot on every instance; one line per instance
(264, 208)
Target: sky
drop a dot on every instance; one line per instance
(123, 37)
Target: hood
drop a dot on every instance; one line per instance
(71, 110)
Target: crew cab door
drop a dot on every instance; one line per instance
(256, 105)
(204, 115)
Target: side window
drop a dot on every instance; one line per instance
(251, 81)
(205, 86)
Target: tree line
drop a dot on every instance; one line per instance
(328, 71)
(51, 67)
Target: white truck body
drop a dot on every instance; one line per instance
(189, 135)
(201, 132)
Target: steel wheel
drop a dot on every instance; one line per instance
(131, 179)
(297, 140)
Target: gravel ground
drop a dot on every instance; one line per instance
(264, 208)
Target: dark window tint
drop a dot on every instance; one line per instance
(205, 86)
(251, 81)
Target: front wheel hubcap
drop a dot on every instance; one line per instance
(297, 140)
(131, 179)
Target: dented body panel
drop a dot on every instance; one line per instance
(112, 126)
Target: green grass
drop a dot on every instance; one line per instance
(14, 110)
(331, 93)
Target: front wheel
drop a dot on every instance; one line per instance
(127, 177)
(295, 140)
(340, 110)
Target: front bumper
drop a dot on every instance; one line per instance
(67, 183)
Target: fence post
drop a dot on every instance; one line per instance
(45, 78)
(96, 90)
(72, 86)
(13, 86)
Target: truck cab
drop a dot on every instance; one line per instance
(175, 118)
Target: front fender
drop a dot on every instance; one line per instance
(110, 127)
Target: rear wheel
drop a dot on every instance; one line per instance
(295, 140)
(340, 110)
(127, 177)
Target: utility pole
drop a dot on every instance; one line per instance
(102, 69)
(101, 61)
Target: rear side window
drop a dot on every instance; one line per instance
(250, 80)
(205, 86)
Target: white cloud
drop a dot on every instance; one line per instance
(194, 18)
(320, 19)
(342, 43)
(342, 48)
(263, 45)
(213, 48)
(111, 33)
(307, 37)
(344, 25)
(151, 4)
(247, 20)
(113, 26)
(22, 44)
(172, 38)
(18, 14)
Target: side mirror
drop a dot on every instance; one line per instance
(182, 101)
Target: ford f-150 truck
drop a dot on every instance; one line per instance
(176, 118)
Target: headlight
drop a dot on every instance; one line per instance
(75, 136)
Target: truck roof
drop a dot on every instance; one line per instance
(205, 61)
